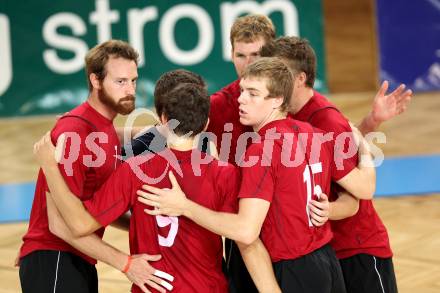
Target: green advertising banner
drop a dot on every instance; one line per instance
(43, 44)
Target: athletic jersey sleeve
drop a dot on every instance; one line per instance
(257, 180)
(229, 183)
(114, 198)
(345, 156)
(71, 166)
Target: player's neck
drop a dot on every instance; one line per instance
(300, 98)
(275, 115)
(101, 108)
(180, 143)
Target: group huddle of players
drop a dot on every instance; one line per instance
(296, 217)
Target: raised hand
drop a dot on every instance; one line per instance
(387, 106)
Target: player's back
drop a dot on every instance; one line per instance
(192, 254)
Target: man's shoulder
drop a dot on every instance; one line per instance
(79, 118)
(148, 165)
(325, 115)
(223, 174)
(222, 166)
(229, 91)
(255, 149)
(72, 124)
(331, 120)
(321, 101)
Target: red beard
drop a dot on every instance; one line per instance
(123, 106)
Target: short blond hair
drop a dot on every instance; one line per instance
(279, 78)
(249, 28)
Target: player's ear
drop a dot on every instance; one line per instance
(163, 119)
(206, 125)
(94, 80)
(301, 78)
(277, 102)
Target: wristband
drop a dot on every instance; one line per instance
(127, 265)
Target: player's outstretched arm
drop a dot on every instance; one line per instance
(361, 181)
(259, 265)
(243, 227)
(385, 107)
(137, 269)
(71, 208)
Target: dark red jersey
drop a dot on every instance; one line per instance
(364, 232)
(224, 111)
(288, 175)
(91, 155)
(192, 254)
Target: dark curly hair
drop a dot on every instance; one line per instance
(168, 81)
(189, 104)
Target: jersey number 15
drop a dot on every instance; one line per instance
(315, 169)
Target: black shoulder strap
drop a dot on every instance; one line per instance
(320, 109)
